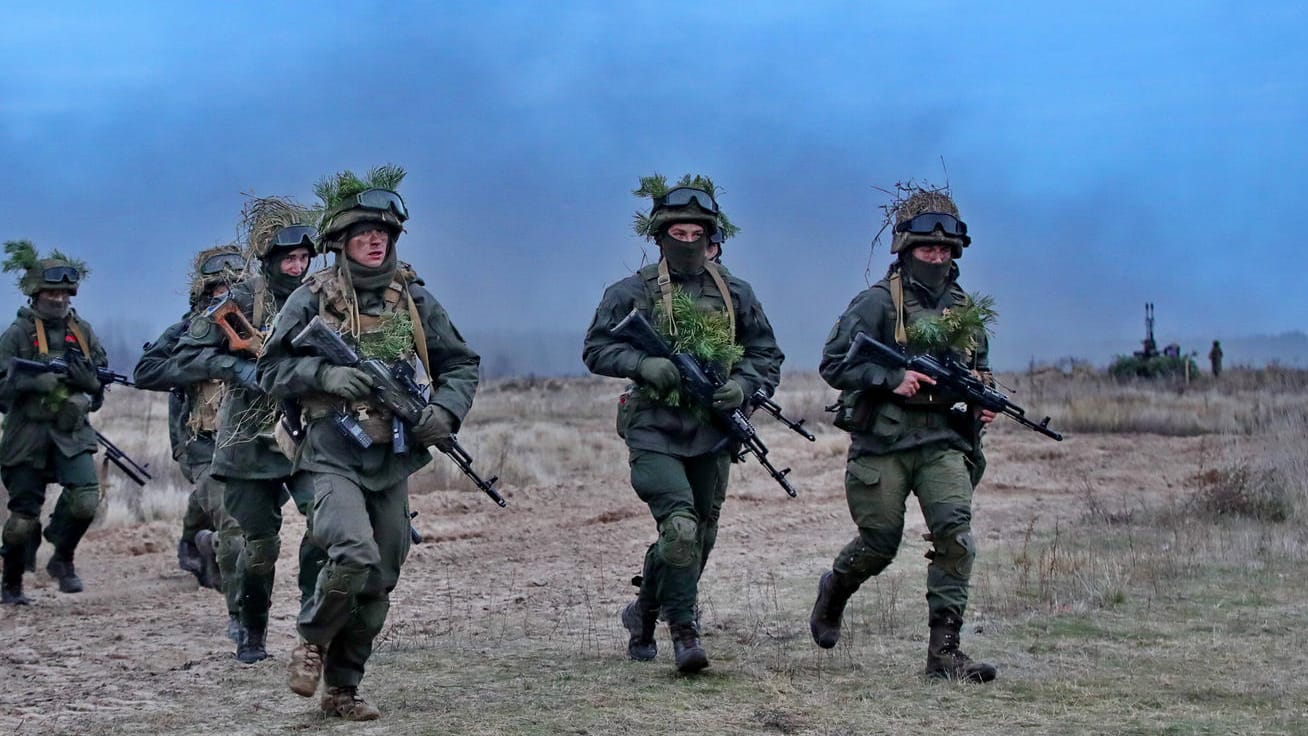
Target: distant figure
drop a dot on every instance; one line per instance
(1215, 358)
(1172, 351)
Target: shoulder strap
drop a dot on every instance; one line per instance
(897, 297)
(42, 342)
(419, 336)
(78, 335)
(665, 286)
(712, 269)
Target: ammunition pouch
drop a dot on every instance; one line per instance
(853, 411)
(371, 417)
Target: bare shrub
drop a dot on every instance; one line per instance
(1261, 494)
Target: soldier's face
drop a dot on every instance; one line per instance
(686, 232)
(296, 262)
(55, 297)
(934, 253)
(368, 248)
(218, 290)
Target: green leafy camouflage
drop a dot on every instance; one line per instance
(391, 341)
(657, 185)
(335, 189)
(23, 257)
(705, 334)
(958, 329)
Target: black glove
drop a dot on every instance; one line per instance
(342, 380)
(72, 413)
(660, 373)
(434, 426)
(81, 374)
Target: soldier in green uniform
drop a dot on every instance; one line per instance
(904, 437)
(360, 508)
(46, 435)
(224, 344)
(679, 459)
(193, 401)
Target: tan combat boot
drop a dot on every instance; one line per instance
(346, 703)
(945, 661)
(305, 669)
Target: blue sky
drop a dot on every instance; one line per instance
(1103, 155)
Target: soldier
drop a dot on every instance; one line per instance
(46, 435)
(193, 401)
(679, 459)
(903, 437)
(224, 345)
(361, 506)
(1215, 358)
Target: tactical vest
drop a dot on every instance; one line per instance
(75, 335)
(206, 398)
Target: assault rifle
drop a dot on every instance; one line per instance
(951, 376)
(699, 381)
(126, 464)
(242, 337)
(396, 389)
(60, 366)
(761, 400)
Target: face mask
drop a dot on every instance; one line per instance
(684, 257)
(47, 309)
(932, 275)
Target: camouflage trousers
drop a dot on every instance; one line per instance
(74, 511)
(685, 497)
(877, 489)
(366, 535)
(205, 509)
(256, 505)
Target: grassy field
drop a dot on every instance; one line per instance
(1142, 577)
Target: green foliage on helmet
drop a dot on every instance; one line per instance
(648, 225)
(55, 272)
(341, 207)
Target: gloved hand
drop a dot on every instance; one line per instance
(81, 374)
(342, 380)
(434, 426)
(660, 373)
(728, 396)
(41, 383)
(244, 375)
(72, 413)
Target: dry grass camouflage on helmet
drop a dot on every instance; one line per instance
(647, 225)
(262, 217)
(910, 199)
(337, 215)
(21, 256)
(201, 282)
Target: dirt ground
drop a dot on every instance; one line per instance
(142, 650)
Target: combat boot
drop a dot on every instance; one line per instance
(824, 622)
(234, 628)
(306, 669)
(250, 648)
(346, 703)
(209, 575)
(640, 622)
(689, 654)
(11, 586)
(945, 661)
(188, 557)
(61, 568)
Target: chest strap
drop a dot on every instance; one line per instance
(43, 340)
(665, 286)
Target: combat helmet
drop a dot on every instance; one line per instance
(221, 264)
(348, 200)
(928, 216)
(275, 225)
(55, 272)
(692, 199)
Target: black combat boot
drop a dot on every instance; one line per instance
(945, 661)
(188, 557)
(61, 568)
(690, 655)
(824, 622)
(640, 621)
(11, 585)
(33, 544)
(209, 575)
(251, 647)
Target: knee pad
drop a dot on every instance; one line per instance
(344, 580)
(868, 554)
(370, 617)
(19, 528)
(83, 501)
(261, 555)
(954, 553)
(679, 539)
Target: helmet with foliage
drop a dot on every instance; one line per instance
(927, 217)
(273, 226)
(55, 272)
(691, 199)
(221, 264)
(349, 200)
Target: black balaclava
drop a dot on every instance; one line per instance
(686, 258)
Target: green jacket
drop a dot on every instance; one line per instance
(245, 448)
(28, 429)
(289, 374)
(665, 429)
(160, 370)
(889, 423)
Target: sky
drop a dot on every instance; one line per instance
(1103, 154)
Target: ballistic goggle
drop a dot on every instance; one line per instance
(928, 222)
(222, 262)
(683, 196)
(296, 236)
(58, 274)
(377, 199)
